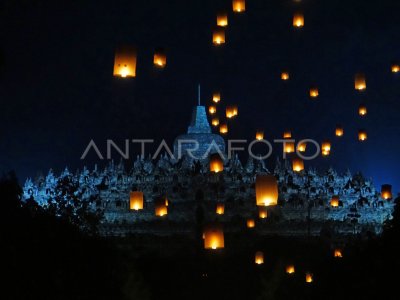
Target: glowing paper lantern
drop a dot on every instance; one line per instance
(360, 82)
(335, 201)
(230, 112)
(386, 191)
(285, 75)
(213, 237)
(298, 20)
(259, 135)
(250, 223)
(297, 164)
(339, 131)
(160, 58)
(223, 128)
(222, 20)
(161, 208)
(301, 147)
(326, 148)
(215, 121)
(362, 135)
(125, 62)
(395, 68)
(309, 278)
(266, 190)
(259, 258)
(216, 97)
(337, 253)
(314, 92)
(239, 5)
(216, 163)
(219, 36)
(136, 200)
(362, 110)
(287, 134)
(290, 269)
(212, 109)
(288, 147)
(262, 212)
(235, 110)
(220, 208)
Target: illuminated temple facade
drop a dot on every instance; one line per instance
(193, 194)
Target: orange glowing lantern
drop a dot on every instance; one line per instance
(259, 135)
(314, 92)
(298, 20)
(288, 147)
(386, 191)
(219, 36)
(250, 223)
(213, 237)
(216, 97)
(266, 190)
(290, 269)
(222, 20)
(230, 113)
(262, 212)
(309, 278)
(339, 131)
(335, 201)
(125, 62)
(216, 163)
(395, 68)
(212, 109)
(215, 121)
(360, 82)
(223, 128)
(287, 134)
(285, 75)
(239, 5)
(326, 148)
(220, 208)
(136, 200)
(161, 208)
(362, 110)
(301, 147)
(259, 258)
(235, 110)
(160, 58)
(338, 253)
(362, 135)
(297, 164)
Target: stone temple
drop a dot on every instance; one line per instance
(193, 193)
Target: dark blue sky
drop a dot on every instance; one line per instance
(57, 90)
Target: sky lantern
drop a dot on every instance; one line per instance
(250, 223)
(266, 190)
(262, 212)
(259, 258)
(285, 75)
(290, 269)
(220, 208)
(125, 62)
(298, 20)
(229, 111)
(314, 92)
(326, 148)
(239, 6)
(161, 208)
(362, 135)
(338, 253)
(309, 278)
(212, 109)
(219, 36)
(334, 201)
(216, 97)
(235, 110)
(215, 121)
(259, 135)
(216, 163)
(136, 200)
(395, 68)
(223, 128)
(362, 110)
(213, 237)
(288, 147)
(160, 58)
(287, 134)
(301, 147)
(297, 164)
(386, 191)
(222, 19)
(360, 84)
(339, 131)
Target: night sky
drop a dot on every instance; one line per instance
(57, 91)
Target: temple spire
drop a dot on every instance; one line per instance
(198, 94)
